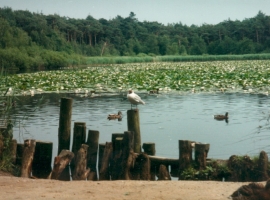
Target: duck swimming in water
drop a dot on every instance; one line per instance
(221, 117)
(115, 116)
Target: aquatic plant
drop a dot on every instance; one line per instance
(216, 76)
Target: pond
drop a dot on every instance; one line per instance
(165, 119)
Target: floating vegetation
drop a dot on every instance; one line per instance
(215, 76)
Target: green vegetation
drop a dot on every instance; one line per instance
(37, 41)
(215, 76)
(213, 171)
(6, 130)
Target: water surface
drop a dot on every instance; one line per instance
(165, 119)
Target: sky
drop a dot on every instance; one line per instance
(188, 12)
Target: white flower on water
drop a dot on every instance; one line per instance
(32, 92)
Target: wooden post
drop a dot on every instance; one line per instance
(19, 154)
(104, 173)
(114, 136)
(64, 124)
(150, 149)
(185, 155)
(116, 160)
(201, 151)
(80, 172)
(144, 166)
(92, 153)
(13, 150)
(79, 135)
(128, 156)
(60, 163)
(263, 167)
(64, 132)
(42, 159)
(133, 121)
(27, 159)
(163, 173)
(101, 149)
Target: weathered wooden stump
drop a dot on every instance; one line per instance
(80, 172)
(114, 142)
(116, 160)
(201, 152)
(163, 173)
(101, 148)
(92, 153)
(128, 156)
(263, 167)
(241, 169)
(104, 173)
(13, 150)
(42, 159)
(133, 122)
(64, 124)
(79, 135)
(141, 169)
(150, 149)
(19, 154)
(27, 159)
(185, 155)
(64, 132)
(60, 163)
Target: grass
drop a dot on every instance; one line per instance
(143, 58)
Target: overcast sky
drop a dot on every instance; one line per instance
(187, 12)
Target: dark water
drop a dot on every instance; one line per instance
(165, 119)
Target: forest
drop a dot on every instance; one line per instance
(31, 40)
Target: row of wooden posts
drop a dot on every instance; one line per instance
(120, 159)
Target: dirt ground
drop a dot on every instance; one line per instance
(24, 188)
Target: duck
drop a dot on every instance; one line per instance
(221, 117)
(134, 99)
(115, 116)
(154, 91)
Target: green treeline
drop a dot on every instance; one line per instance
(34, 40)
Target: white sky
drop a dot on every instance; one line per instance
(187, 12)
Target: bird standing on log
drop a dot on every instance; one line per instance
(134, 99)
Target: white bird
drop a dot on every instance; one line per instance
(134, 98)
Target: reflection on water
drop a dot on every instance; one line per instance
(165, 119)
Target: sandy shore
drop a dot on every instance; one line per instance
(23, 188)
